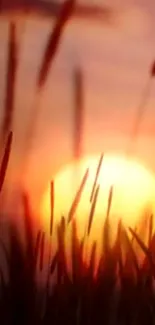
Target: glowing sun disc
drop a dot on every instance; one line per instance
(134, 190)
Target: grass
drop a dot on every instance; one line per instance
(12, 64)
(121, 289)
(48, 59)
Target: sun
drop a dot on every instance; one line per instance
(133, 191)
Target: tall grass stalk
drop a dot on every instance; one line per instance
(50, 52)
(5, 160)
(113, 296)
(12, 64)
(92, 211)
(96, 177)
(78, 117)
(78, 196)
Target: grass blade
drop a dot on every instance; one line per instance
(10, 84)
(28, 227)
(42, 247)
(106, 229)
(54, 263)
(109, 202)
(96, 177)
(54, 41)
(130, 253)
(133, 238)
(5, 160)
(48, 58)
(77, 197)
(92, 211)
(78, 113)
(145, 250)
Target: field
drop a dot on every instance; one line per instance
(119, 291)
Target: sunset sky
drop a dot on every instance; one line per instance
(115, 60)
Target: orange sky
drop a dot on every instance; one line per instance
(115, 61)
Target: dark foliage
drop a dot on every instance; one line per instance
(121, 291)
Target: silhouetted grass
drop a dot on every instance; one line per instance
(78, 112)
(12, 62)
(49, 55)
(96, 177)
(5, 160)
(54, 42)
(77, 197)
(119, 291)
(92, 211)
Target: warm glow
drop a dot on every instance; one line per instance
(134, 188)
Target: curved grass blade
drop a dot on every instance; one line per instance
(92, 211)
(152, 250)
(133, 238)
(132, 254)
(54, 263)
(96, 177)
(145, 250)
(54, 41)
(109, 201)
(77, 197)
(152, 244)
(5, 160)
(10, 83)
(48, 58)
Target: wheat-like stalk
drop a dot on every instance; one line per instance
(12, 64)
(50, 52)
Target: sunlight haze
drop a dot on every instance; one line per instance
(115, 60)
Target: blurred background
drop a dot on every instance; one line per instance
(114, 54)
